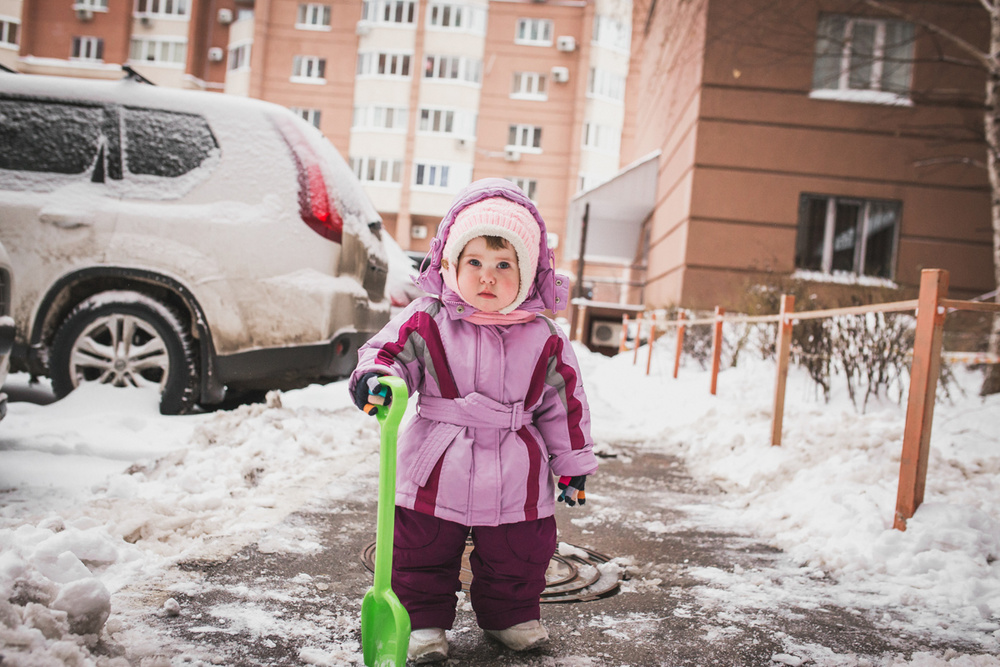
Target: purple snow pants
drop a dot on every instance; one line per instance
(508, 569)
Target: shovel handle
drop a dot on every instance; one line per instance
(389, 419)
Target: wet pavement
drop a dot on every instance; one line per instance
(662, 614)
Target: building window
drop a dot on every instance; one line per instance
(384, 64)
(608, 85)
(377, 170)
(454, 68)
(604, 138)
(164, 51)
(92, 5)
(863, 59)
(450, 16)
(528, 86)
(380, 118)
(87, 48)
(527, 185)
(309, 69)
(157, 7)
(389, 11)
(454, 122)
(537, 32)
(611, 33)
(8, 32)
(311, 116)
(239, 56)
(525, 137)
(431, 175)
(313, 16)
(846, 235)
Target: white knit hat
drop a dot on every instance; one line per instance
(498, 216)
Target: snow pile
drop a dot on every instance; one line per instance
(103, 496)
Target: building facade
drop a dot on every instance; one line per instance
(421, 96)
(817, 139)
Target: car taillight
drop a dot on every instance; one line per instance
(314, 200)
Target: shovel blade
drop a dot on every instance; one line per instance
(385, 629)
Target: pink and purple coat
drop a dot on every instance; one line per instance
(501, 409)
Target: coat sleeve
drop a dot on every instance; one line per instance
(398, 349)
(563, 417)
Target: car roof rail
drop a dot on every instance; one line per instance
(132, 75)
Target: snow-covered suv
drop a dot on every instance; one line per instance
(201, 242)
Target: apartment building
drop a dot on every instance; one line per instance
(421, 96)
(818, 139)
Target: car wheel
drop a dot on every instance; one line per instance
(126, 339)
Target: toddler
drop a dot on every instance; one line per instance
(500, 410)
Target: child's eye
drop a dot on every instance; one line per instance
(503, 265)
(475, 262)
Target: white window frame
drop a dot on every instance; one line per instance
(91, 5)
(313, 16)
(239, 56)
(841, 45)
(534, 32)
(87, 49)
(385, 64)
(457, 17)
(612, 33)
(161, 8)
(390, 12)
(601, 137)
(10, 31)
(856, 238)
(524, 138)
(176, 51)
(457, 69)
(380, 118)
(529, 186)
(377, 170)
(308, 69)
(529, 86)
(606, 85)
(311, 116)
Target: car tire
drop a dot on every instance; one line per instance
(126, 339)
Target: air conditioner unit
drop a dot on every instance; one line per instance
(84, 14)
(216, 54)
(511, 155)
(566, 43)
(605, 333)
(145, 20)
(225, 16)
(418, 232)
(363, 28)
(560, 74)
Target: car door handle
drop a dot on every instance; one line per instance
(66, 220)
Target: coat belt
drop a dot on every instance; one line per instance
(453, 415)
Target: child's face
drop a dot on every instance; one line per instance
(488, 279)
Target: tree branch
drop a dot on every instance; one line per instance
(983, 59)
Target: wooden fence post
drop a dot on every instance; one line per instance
(920, 402)
(652, 337)
(717, 346)
(680, 342)
(623, 339)
(784, 345)
(638, 338)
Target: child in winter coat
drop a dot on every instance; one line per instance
(501, 409)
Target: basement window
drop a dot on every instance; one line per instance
(847, 235)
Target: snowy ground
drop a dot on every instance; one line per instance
(100, 497)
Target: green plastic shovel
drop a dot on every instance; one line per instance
(385, 625)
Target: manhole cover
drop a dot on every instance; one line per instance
(574, 573)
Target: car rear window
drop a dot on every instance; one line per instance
(49, 136)
(165, 143)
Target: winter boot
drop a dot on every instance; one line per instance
(427, 645)
(523, 636)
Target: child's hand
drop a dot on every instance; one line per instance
(572, 490)
(370, 393)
